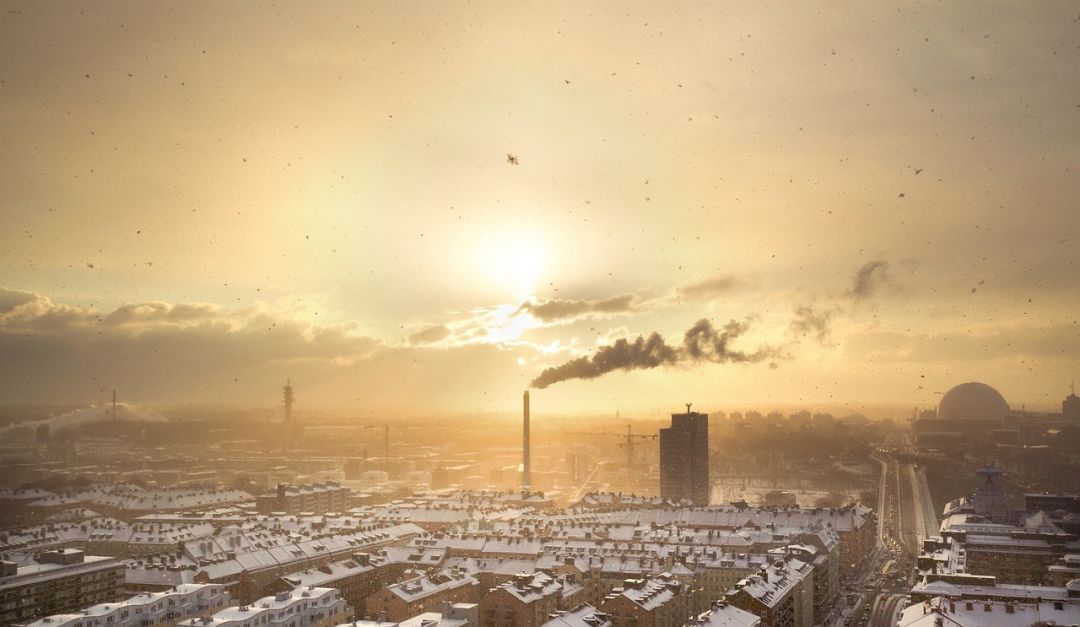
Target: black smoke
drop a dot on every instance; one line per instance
(701, 342)
(811, 322)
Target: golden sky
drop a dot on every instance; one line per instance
(200, 199)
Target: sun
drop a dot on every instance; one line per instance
(515, 264)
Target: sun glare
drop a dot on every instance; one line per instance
(515, 265)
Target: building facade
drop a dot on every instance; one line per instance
(316, 498)
(684, 458)
(62, 581)
(147, 609)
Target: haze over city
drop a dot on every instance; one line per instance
(478, 314)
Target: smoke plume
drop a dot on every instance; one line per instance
(701, 342)
(810, 322)
(869, 279)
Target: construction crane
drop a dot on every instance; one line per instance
(628, 438)
(629, 444)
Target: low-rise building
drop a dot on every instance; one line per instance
(940, 611)
(147, 609)
(661, 602)
(357, 578)
(317, 498)
(452, 615)
(724, 614)
(526, 601)
(583, 615)
(60, 581)
(781, 594)
(302, 607)
(421, 594)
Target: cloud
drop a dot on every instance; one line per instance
(12, 299)
(702, 342)
(163, 313)
(870, 279)
(55, 351)
(553, 310)
(710, 288)
(430, 335)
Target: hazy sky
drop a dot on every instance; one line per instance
(200, 199)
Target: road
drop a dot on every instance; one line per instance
(905, 519)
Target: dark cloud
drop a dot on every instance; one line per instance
(55, 351)
(11, 299)
(702, 342)
(710, 288)
(430, 335)
(870, 279)
(555, 309)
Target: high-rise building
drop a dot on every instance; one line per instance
(684, 458)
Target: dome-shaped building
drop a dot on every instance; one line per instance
(972, 401)
(970, 414)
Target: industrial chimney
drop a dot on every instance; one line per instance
(526, 477)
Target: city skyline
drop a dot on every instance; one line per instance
(404, 209)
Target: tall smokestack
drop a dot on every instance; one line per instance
(114, 405)
(526, 477)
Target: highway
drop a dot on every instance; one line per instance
(905, 518)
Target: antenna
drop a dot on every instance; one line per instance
(688, 408)
(288, 397)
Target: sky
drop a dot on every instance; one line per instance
(428, 207)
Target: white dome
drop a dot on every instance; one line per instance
(973, 401)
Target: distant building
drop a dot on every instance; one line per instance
(1070, 407)
(316, 498)
(61, 581)
(968, 413)
(775, 498)
(684, 458)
